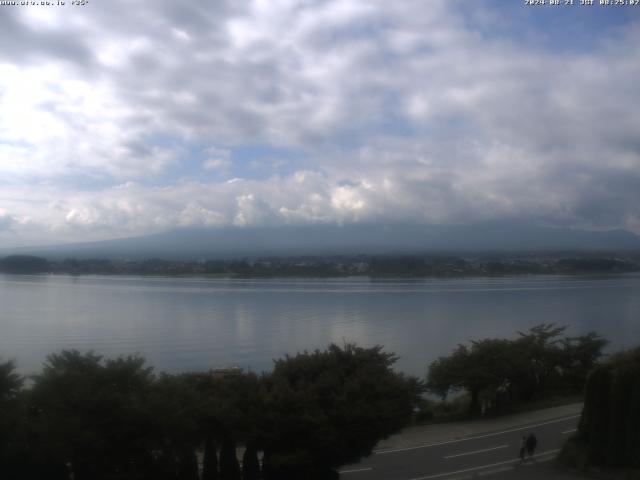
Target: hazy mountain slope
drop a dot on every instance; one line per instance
(351, 239)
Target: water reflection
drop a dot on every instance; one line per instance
(195, 323)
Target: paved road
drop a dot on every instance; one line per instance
(492, 453)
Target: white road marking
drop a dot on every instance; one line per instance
(569, 431)
(356, 470)
(476, 451)
(495, 470)
(427, 445)
(482, 467)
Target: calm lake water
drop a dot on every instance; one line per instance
(184, 324)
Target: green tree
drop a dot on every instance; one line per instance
(229, 466)
(11, 425)
(187, 464)
(485, 370)
(448, 374)
(10, 382)
(542, 348)
(250, 463)
(497, 372)
(609, 428)
(177, 409)
(329, 408)
(580, 356)
(231, 410)
(92, 415)
(210, 459)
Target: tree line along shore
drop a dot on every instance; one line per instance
(91, 417)
(338, 266)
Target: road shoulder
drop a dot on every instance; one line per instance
(442, 432)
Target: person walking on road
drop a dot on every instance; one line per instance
(532, 443)
(523, 446)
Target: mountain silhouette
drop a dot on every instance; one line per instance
(347, 239)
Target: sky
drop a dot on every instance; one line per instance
(122, 118)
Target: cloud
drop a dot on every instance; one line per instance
(217, 159)
(396, 111)
(6, 221)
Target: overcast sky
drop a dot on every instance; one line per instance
(120, 118)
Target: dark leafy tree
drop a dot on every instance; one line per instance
(447, 374)
(91, 416)
(10, 381)
(498, 372)
(229, 466)
(11, 426)
(231, 409)
(580, 356)
(486, 370)
(609, 428)
(187, 464)
(250, 463)
(228, 402)
(541, 347)
(329, 408)
(210, 459)
(176, 408)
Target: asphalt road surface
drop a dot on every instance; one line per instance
(483, 455)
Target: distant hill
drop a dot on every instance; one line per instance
(346, 240)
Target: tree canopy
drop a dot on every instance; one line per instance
(331, 407)
(609, 429)
(498, 372)
(23, 264)
(100, 418)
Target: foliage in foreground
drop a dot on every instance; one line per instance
(336, 404)
(498, 373)
(115, 419)
(609, 429)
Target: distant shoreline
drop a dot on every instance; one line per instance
(387, 266)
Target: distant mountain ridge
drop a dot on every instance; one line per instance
(339, 240)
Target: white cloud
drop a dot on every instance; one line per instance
(400, 112)
(217, 159)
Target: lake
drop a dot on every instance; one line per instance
(182, 324)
